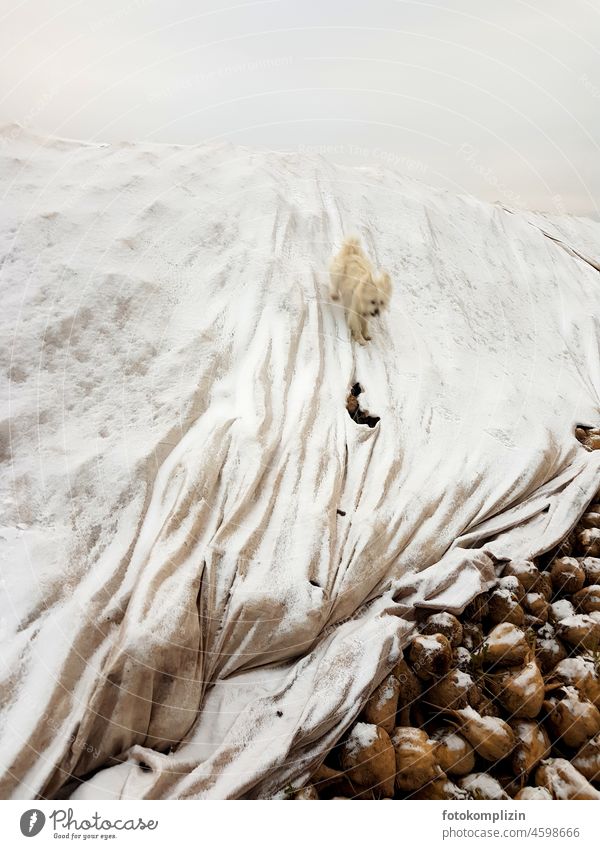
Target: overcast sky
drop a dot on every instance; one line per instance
(499, 99)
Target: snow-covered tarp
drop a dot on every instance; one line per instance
(207, 566)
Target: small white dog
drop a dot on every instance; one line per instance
(363, 294)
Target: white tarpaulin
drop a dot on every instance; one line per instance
(185, 610)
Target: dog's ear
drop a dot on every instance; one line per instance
(386, 284)
(351, 245)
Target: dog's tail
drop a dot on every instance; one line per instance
(351, 246)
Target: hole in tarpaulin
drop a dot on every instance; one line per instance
(588, 436)
(355, 411)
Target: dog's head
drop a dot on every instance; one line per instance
(375, 294)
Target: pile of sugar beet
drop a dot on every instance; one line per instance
(500, 702)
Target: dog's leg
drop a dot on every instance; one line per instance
(364, 328)
(355, 325)
(334, 288)
(354, 318)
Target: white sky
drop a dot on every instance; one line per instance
(499, 99)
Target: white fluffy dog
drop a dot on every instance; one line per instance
(363, 294)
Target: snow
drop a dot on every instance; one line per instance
(550, 644)
(562, 609)
(566, 782)
(462, 679)
(507, 635)
(361, 737)
(579, 620)
(535, 793)
(531, 598)
(576, 707)
(482, 786)
(429, 644)
(528, 680)
(385, 694)
(546, 631)
(441, 620)
(503, 593)
(468, 714)
(574, 669)
(509, 583)
(454, 743)
(462, 656)
(526, 732)
(175, 446)
(587, 763)
(106, 784)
